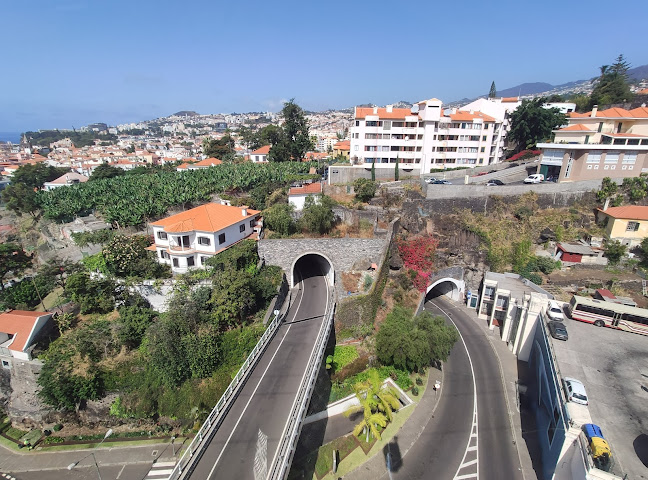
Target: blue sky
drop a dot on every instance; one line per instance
(72, 62)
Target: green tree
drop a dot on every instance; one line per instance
(364, 189)
(493, 91)
(373, 171)
(607, 190)
(34, 176)
(13, 259)
(93, 296)
(279, 219)
(612, 86)
(21, 199)
(233, 298)
(318, 214)
(532, 123)
(222, 148)
(614, 251)
(133, 322)
(412, 343)
(396, 171)
(106, 171)
(57, 270)
(294, 141)
(128, 257)
(166, 354)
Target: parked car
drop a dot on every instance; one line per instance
(554, 311)
(558, 330)
(442, 182)
(575, 391)
(535, 178)
(494, 183)
(430, 180)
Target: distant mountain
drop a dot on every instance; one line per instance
(638, 73)
(185, 113)
(525, 89)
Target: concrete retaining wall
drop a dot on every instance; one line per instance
(349, 173)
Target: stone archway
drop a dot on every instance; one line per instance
(309, 264)
(448, 286)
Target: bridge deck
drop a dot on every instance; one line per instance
(246, 442)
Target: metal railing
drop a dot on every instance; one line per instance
(281, 468)
(215, 418)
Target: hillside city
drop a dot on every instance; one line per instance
(457, 287)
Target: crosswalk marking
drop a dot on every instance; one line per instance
(160, 471)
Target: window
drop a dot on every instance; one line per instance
(164, 254)
(6, 364)
(242, 228)
(632, 227)
(357, 123)
(482, 149)
(162, 235)
(484, 138)
(593, 157)
(397, 124)
(221, 238)
(204, 241)
(176, 264)
(203, 260)
(252, 223)
(600, 127)
(630, 158)
(611, 157)
(190, 262)
(373, 123)
(489, 292)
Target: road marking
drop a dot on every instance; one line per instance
(120, 472)
(253, 393)
(261, 456)
(159, 471)
(471, 448)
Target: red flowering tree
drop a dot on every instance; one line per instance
(418, 257)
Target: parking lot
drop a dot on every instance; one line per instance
(613, 366)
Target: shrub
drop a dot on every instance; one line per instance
(419, 381)
(364, 189)
(57, 427)
(367, 281)
(415, 391)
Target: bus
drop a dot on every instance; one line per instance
(609, 314)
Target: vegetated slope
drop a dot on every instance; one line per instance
(131, 199)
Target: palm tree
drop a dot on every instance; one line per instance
(377, 402)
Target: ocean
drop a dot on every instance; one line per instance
(13, 137)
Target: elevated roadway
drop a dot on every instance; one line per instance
(246, 444)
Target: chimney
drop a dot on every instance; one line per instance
(390, 108)
(594, 110)
(606, 204)
(244, 210)
(375, 110)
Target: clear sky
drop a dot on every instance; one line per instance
(72, 62)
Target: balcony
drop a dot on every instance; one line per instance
(175, 250)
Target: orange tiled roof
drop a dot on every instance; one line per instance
(311, 188)
(262, 151)
(462, 116)
(631, 212)
(20, 324)
(510, 99)
(643, 92)
(210, 217)
(624, 135)
(640, 112)
(396, 113)
(342, 145)
(578, 127)
(208, 162)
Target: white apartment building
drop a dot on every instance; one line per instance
(426, 136)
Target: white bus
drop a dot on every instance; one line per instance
(609, 314)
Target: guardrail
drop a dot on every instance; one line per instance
(281, 467)
(188, 459)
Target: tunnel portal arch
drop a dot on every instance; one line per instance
(309, 264)
(448, 286)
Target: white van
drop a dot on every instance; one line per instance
(535, 178)
(554, 311)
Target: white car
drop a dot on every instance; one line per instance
(535, 178)
(575, 391)
(430, 180)
(554, 311)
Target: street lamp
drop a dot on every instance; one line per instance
(72, 465)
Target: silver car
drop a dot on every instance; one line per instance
(575, 391)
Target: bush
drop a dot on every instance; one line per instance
(415, 391)
(57, 427)
(419, 381)
(364, 189)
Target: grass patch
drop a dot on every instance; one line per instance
(344, 355)
(324, 463)
(15, 433)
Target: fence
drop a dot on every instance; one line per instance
(281, 467)
(188, 459)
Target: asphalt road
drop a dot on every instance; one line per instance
(498, 458)
(249, 436)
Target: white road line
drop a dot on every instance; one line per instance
(120, 472)
(252, 396)
(474, 430)
(468, 475)
(292, 408)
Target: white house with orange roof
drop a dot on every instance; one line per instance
(260, 155)
(18, 332)
(190, 238)
(609, 143)
(67, 179)
(425, 137)
(297, 195)
(206, 163)
(627, 224)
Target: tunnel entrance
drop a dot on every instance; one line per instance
(449, 287)
(310, 265)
